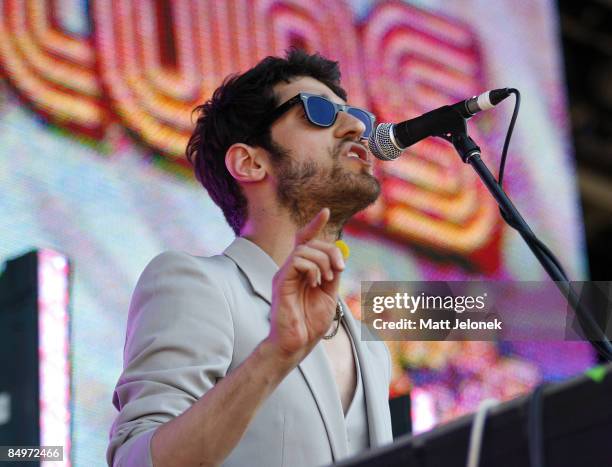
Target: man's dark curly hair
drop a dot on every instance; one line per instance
(233, 114)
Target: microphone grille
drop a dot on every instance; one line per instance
(381, 144)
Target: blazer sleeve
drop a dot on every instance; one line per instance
(179, 342)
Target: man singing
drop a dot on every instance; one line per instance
(250, 358)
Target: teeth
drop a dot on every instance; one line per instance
(352, 154)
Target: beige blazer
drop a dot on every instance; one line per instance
(192, 320)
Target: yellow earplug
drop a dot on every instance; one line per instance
(344, 248)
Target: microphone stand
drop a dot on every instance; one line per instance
(470, 154)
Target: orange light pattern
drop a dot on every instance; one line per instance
(53, 71)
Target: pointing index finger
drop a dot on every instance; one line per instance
(313, 228)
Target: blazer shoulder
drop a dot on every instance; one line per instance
(167, 268)
(170, 260)
(176, 284)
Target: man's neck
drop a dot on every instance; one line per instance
(277, 238)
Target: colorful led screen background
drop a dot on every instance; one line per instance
(95, 111)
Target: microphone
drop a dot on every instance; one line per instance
(388, 140)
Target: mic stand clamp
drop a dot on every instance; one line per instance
(465, 146)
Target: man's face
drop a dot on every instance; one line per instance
(316, 167)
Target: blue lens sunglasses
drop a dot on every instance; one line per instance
(322, 112)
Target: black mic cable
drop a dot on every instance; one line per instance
(388, 141)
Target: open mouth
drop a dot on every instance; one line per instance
(357, 151)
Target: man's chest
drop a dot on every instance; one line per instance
(339, 351)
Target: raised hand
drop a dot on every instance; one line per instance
(305, 292)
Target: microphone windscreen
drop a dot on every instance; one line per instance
(381, 143)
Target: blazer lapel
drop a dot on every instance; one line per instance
(376, 420)
(318, 374)
(255, 264)
(259, 269)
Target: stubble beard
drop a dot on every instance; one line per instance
(304, 188)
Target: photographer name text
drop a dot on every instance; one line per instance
(431, 324)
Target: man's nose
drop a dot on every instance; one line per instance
(348, 126)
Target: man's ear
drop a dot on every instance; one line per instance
(245, 163)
